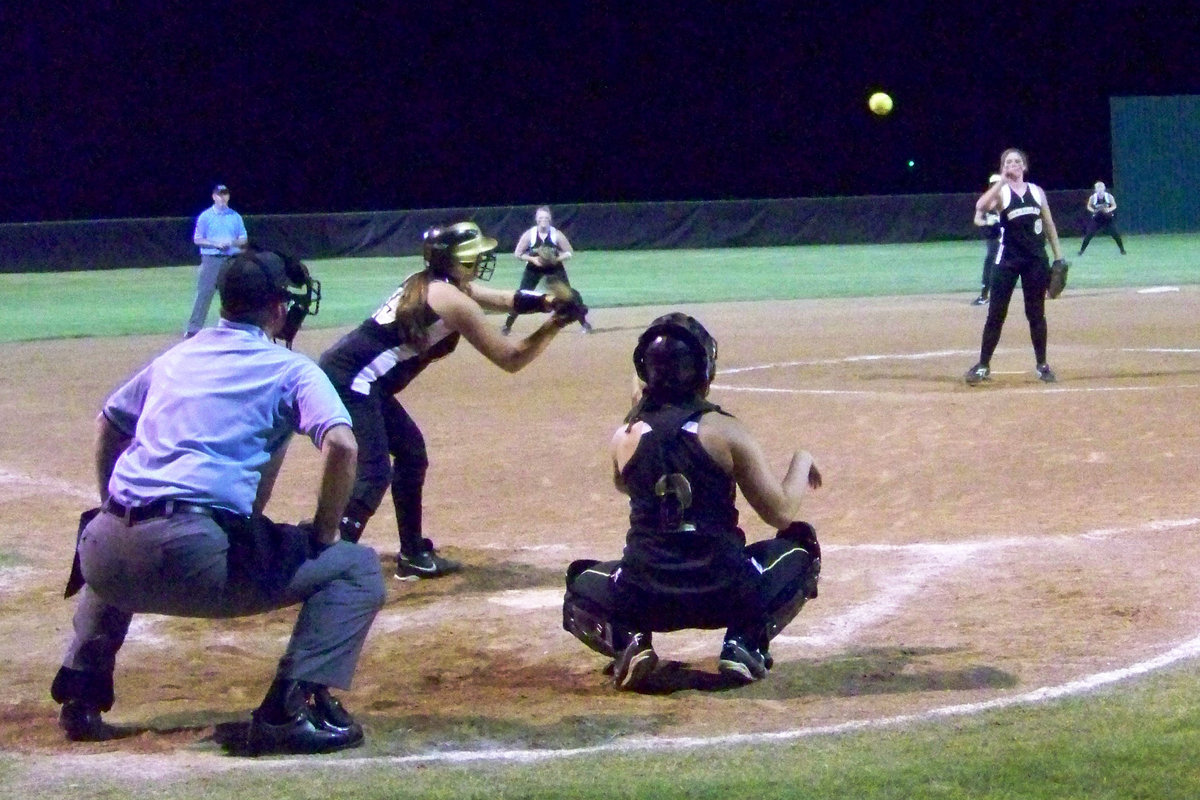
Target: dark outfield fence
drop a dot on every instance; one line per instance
(1156, 162)
(120, 243)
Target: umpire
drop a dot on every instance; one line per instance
(1101, 208)
(186, 455)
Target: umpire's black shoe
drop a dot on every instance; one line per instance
(331, 715)
(635, 663)
(741, 661)
(303, 734)
(82, 723)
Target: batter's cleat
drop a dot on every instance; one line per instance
(1045, 374)
(979, 301)
(977, 374)
(82, 723)
(635, 663)
(741, 661)
(426, 564)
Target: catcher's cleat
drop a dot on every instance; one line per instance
(977, 374)
(426, 564)
(635, 663)
(741, 661)
(1045, 374)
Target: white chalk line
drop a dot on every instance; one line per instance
(9, 478)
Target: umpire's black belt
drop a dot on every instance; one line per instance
(155, 510)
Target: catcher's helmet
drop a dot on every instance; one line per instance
(462, 243)
(676, 355)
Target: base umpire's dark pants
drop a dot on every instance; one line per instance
(391, 450)
(1035, 277)
(1101, 223)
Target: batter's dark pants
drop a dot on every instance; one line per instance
(391, 451)
(1035, 277)
(188, 565)
(1101, 223)
(776, 572)
(532, 276)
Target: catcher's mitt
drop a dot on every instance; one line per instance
(1058, 278)
(548, 254)
(566, 303)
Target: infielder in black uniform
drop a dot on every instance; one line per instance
(1101, 207)
(1025, 226)
(686, 563)
(421, 322)
(545, 251)
(990, 222)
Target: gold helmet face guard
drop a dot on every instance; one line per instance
(462, 243)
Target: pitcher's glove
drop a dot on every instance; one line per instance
(566, 303)
(1058, 278)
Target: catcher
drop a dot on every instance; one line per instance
(420, 323)
(686, 563)
(544, 249)
(1025, 227)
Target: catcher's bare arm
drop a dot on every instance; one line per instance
(463, 314)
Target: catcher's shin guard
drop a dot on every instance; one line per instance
(587, 620)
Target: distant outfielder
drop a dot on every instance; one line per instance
(1101, 207)
(545, 251)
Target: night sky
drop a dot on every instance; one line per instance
(137, 109)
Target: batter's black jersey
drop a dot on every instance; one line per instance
(377, 353)
(683, 536)
(1022, 237)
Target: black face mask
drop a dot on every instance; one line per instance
(303, 303)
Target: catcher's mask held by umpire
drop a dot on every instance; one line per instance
(258, 277)
(462, 243)
(700, 350)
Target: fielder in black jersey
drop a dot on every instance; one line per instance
(422, 321)
(1101, 208)
(545, 250)
(686, 563)
(1025, 227)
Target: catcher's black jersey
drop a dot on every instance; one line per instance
(683, 535)
(377, 353)
(1022, 237)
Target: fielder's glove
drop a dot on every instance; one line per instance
(567, 304)
(548, 254)
(1058, 278)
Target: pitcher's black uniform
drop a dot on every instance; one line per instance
(1022, 254)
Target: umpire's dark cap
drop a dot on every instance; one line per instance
(252, 280)
(220, 188)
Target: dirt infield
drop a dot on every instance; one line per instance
(979, 542)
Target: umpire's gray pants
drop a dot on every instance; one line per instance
(206, 287)
(179, 566)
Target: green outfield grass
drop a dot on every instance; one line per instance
(157, 300)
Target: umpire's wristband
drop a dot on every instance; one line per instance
(527, 302)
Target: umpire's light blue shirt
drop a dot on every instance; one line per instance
(206, 415)
(219, 223)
